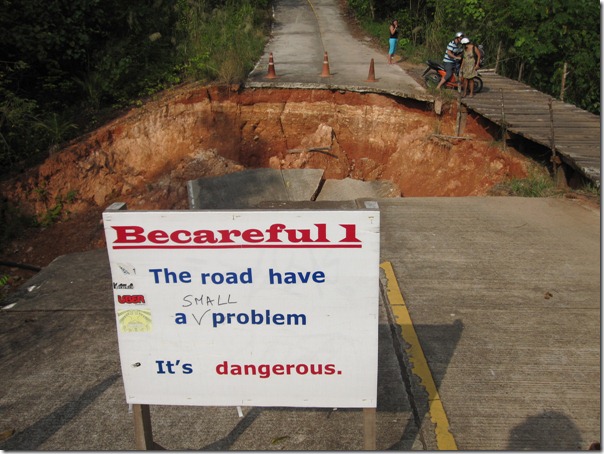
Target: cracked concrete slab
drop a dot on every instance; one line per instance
(349, 189)
(248, 188)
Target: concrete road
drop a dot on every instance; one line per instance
(489, 330)
(504, 295)
(489, 339)
(62, 386)
(303, 31)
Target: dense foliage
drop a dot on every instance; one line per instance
(533, 38)
(65, 63)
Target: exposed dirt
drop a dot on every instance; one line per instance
(145, 157)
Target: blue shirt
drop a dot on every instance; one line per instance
(453, 47)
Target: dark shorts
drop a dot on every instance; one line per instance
(449, 68)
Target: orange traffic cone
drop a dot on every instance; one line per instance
(271, 67)
(371, 77)
(325, 72)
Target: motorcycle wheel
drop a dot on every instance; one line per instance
(477, 84)
(432, 80)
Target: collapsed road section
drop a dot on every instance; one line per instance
(146, 157)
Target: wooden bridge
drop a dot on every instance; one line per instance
(572, 133)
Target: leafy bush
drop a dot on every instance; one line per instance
(65, 64)
(222, 43)
(58, 211)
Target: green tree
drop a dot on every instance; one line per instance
(62, 61)
(536, 38)
(539, 36)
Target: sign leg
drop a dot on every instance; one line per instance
(143, 434)
(369, 433)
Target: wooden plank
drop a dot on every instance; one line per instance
(516, 111)
(564, 134)
(535, 124)
(369, 429)
(557, 121)
(529, 118)
(593, 159)
(507, 83)
(510, 104)
(573, 129)
(587, 149)
(575, 144)
(510, 88)
(519, 101)
(585, 157)
(590, 163)
(143, 433)
(526, 112)
(576, 147)
(530, 92)
(524, 103)
(590, 148)
(564, 128)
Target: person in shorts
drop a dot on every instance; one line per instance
(451, 58)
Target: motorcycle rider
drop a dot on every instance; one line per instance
(452, 58)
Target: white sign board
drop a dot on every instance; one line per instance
(250, 308)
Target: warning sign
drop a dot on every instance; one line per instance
(254, 308)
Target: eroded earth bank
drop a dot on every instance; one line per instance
(145, 157)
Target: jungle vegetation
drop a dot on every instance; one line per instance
(66, 66)
(551, 45)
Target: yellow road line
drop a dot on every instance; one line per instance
(444, 437)
(318, 24)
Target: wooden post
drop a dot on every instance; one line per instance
(555, 159)
(520, 71)
(143, 433)
(369, 432)
(503, 125)
(462, 113)
(498, 57)
(563, 86)
(438, 106)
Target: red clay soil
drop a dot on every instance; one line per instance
(145, 157)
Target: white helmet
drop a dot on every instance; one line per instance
(459, 34)
(465, 41)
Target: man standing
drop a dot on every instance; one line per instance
(452, 55)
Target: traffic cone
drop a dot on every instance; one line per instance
(325, 72)
(271, 67)
(371, 77)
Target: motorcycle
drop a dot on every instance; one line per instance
(435, 71)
